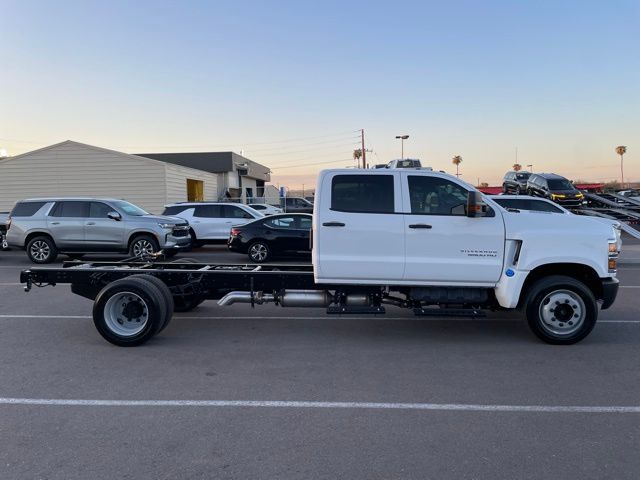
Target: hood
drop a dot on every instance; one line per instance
(163, 219)
(531, 225)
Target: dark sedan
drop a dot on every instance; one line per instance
(275, 235)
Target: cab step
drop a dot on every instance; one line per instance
(449, 312)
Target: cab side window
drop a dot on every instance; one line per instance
(208, 211)
(436, 196)
(231, 211)
(362, 193)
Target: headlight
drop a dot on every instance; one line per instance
(166, 226)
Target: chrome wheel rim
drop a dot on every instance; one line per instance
(126, 314)
(258, 252)
(562, 312)
(143, 247)
(40, 250)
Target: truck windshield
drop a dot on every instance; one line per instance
(130, 208)
(560, 184)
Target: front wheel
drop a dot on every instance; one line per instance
(518, 190)
(561, 310)
(143, 246)
(259, 252)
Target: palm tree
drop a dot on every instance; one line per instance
(457, 160)
(357, 155)
(517, 167)
(621, 150)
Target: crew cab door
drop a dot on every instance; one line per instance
(443, 245)
(358, 228)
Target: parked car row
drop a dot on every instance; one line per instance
(47, 227)
(545, 185)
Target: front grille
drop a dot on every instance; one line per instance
(181, 231)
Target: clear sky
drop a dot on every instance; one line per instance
(289, 82)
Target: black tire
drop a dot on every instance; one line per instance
(195, 243)
(154, 307)
(166, 294)
(518, 190)
(42, 249)
(570, 304)
(259, 252)
(143, 244)
(505, 190)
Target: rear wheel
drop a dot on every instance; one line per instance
(166, 294)
(130, 311)
(561, 310)
(143, 246)
(42, 250)
(259, 252)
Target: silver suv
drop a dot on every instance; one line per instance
(45, 227)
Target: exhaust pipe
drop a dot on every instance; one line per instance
(290, 298)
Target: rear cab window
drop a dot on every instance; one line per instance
(26, 209)
(363, 193)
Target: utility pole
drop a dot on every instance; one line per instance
(530, 167)
(303, 190)
(364, 151)
(621, 150)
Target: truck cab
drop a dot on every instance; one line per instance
(428, 233)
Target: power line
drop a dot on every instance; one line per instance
(289, 152)
(310, 164)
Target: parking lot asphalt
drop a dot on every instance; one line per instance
(247, 393)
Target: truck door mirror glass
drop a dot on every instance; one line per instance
(475, 205)
(114, 216)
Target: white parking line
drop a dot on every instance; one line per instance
(328, 317)
(332, 405)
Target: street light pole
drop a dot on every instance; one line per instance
(402, 139)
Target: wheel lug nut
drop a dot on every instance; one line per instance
(570, 322)
(562, 324)
(557, 302)
(574, 306)
(566, 301)
(575, 316)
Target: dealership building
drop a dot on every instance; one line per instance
(150, 180)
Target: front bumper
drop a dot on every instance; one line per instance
(177, 243)
(609, 291)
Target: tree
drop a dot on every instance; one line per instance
(621, 150)
(517, 167)
(357, 155)
(457, 160)
(484, 185)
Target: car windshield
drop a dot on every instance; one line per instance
(523, 175)
(130, 208)
(560, 184)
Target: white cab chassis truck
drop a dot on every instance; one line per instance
(408, 238)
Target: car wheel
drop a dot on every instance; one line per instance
(143, 246)
(195, 243)
(561, 310)
(259, 252)
(518, 190)
(505, 190)
(42, 250)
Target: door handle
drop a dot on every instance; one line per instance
(333, 224)
(90, 223)
(55, 223)
(420, 225)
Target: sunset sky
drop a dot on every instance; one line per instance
(289, 83)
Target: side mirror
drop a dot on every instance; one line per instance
(114, 216)
(475, 205)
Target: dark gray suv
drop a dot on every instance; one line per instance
(45, 227)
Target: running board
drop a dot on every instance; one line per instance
(449, 312)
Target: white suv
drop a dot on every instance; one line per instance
(211, 222)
